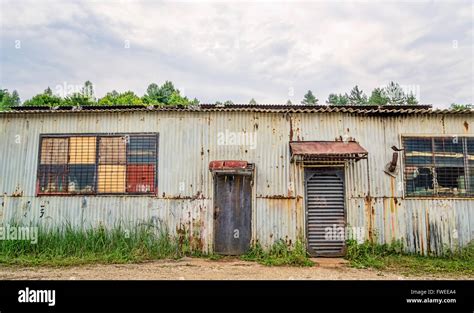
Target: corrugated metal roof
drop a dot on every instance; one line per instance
(270, 108)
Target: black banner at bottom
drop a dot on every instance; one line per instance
(236, 296)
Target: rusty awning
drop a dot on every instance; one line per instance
(327, 151)
(231, 166)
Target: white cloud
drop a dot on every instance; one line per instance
(220, 50)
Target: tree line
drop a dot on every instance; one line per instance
(167, 94)
(391, 94)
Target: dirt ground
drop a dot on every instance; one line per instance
(203, 269)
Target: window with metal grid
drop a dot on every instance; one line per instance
(97, 164)
(439, 166)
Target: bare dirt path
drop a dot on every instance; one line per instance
(197, 269)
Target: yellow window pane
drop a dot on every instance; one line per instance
(82, 150)
(111, 179)
(54, 150)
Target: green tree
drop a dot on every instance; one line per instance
(15, 98)
(357, 96)
(411, 99)
(337, 99)
(177, 99)
(152, 95)
(8, 100)
(83, 98)
(165, 94)
(289, 102)
(78, 99)
(252, 102)
(109, 99)
(309, 98)
(378, 97)
(228, 102)
(458, 106)
(124, 98)
(166, 91)
(88, 91)
(48, 91)
(395, 93)
(128, 98)
(47, 98)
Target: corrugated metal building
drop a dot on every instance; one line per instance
(302, 173)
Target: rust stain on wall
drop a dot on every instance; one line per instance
(427, 222)
(369, 210)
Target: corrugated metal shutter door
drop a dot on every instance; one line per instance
(325, 209)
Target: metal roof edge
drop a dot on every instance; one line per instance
(264, 108)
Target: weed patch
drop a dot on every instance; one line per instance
(279, 254)
(74, 247)
(392, 257)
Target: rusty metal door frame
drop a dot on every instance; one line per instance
(323, 168)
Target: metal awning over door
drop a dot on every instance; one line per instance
(327, 151)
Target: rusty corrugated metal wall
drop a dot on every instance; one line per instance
(189, 141)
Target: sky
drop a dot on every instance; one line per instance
(272, 51)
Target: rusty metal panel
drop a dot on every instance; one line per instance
(427, 226)
(326, 148)
(279, 219)
(227, 164)
(232, 214)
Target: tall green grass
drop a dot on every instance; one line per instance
(70, 246)
(280, 253)
(392, 257)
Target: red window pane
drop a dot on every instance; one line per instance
(140, 178)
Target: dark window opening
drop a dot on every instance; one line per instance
(439, 166)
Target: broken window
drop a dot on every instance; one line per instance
(98, 164)
(439, 166)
